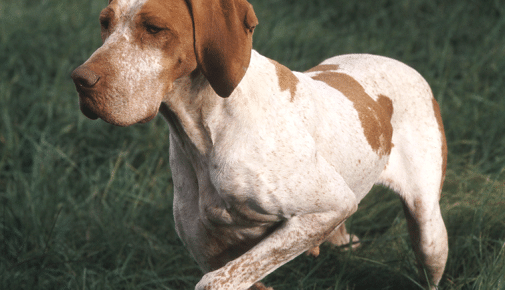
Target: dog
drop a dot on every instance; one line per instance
(267, 163)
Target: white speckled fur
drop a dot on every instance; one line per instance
(268, 173)
(293, 159)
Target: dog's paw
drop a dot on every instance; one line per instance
(313, 252)
(344, 241)
(340, 237)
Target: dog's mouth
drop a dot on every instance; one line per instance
(87, 111)
(84, 100)
(92, 112)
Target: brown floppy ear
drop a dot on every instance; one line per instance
(223, 40)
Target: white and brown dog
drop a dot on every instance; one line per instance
(267, 163)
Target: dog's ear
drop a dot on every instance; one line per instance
(223, 40)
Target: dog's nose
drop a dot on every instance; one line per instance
(84, 77)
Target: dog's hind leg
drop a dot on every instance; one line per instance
(416, 171)
(425, 224)
(428, 236)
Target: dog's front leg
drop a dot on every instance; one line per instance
(296, 235)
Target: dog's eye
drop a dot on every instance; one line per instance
(152, 29)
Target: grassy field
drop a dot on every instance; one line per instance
(85, 205)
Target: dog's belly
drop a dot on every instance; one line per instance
(360, 168)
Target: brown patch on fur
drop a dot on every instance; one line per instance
(287, 80)
(323, 67)
(387, 104)
(438, 116)
(375, 117)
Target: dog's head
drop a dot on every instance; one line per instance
(148, 44)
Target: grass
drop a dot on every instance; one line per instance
(85, 205)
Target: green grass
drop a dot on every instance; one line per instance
(85, 205)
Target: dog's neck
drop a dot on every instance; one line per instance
(185, 109)
(195, 113)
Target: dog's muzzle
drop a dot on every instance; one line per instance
(84, 80)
